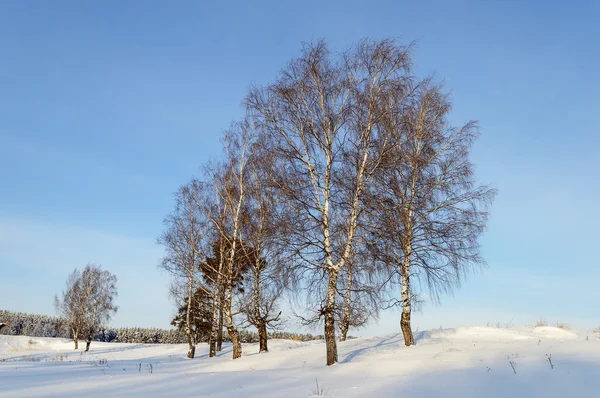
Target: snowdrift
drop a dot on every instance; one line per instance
(463, 362)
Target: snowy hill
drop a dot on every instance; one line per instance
(464, 362)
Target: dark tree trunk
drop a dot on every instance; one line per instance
(329, 313)
(191, 346)
(188, 315)
(406, 302)
(406, 329)
(87, 344)
(262, 338)
(231, 329)
(220, 329)
(212, 340)
(212, 348)
(343, 331)
(235, 342)
(191, 351)
(345, 322)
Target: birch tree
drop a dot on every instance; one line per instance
(210, 203)
(320, 110)
(359, 288)
(431, 212)
(87, 301)
(99, 291)
(182, 240)
(225, 212)
(263, 227)
(70, 306)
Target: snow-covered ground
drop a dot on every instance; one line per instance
(464, 362)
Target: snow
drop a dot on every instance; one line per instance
(463, 362)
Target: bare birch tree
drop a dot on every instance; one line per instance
(262, 231)
(182, 240)
(238, 153)
(360, 291)
(321, 109)
(88, 301)
(69, 306)
(225, 213)
(430, 210)
(99, 290)
(209, 201)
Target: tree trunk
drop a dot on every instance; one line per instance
(259, 320)
(231, 329)
(188, 326)
(212, 351)
(329, 313)
(214, 324)
(191, 351)
(191, 346)
(87, 344)
(345, 323)
(75, 339)
(220, 329)
(406, 302)
(343, 331)
(214, 329)
(262, 337)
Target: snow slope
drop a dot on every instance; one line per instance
(464, 362)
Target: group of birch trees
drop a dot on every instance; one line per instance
(345, 186)
(87, 302)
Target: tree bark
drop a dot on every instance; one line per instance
(212, 352)
(343, 331)
(345, 323)
(262, 338)
(87, 344)
(329, 313)
(217, 305)
(259, 320)
(191, 351)
(220, 327)
(188, 326)
(406, 329)
(191, 346)
(75, 340)
(406, 302)
(214, 324)
(231, 329)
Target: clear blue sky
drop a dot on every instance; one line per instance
(106, 107)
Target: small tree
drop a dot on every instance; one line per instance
(225, 212)
(196, 317)
(261, 308)
(360, 292)
(182, 240)
(431, 212)
(87, 301)
(68, 305)
(263, 227)
(212, 269)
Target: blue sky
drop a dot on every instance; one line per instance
(107, 107)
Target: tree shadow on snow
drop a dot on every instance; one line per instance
(390, 340)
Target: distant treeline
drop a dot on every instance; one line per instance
(22, 324)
